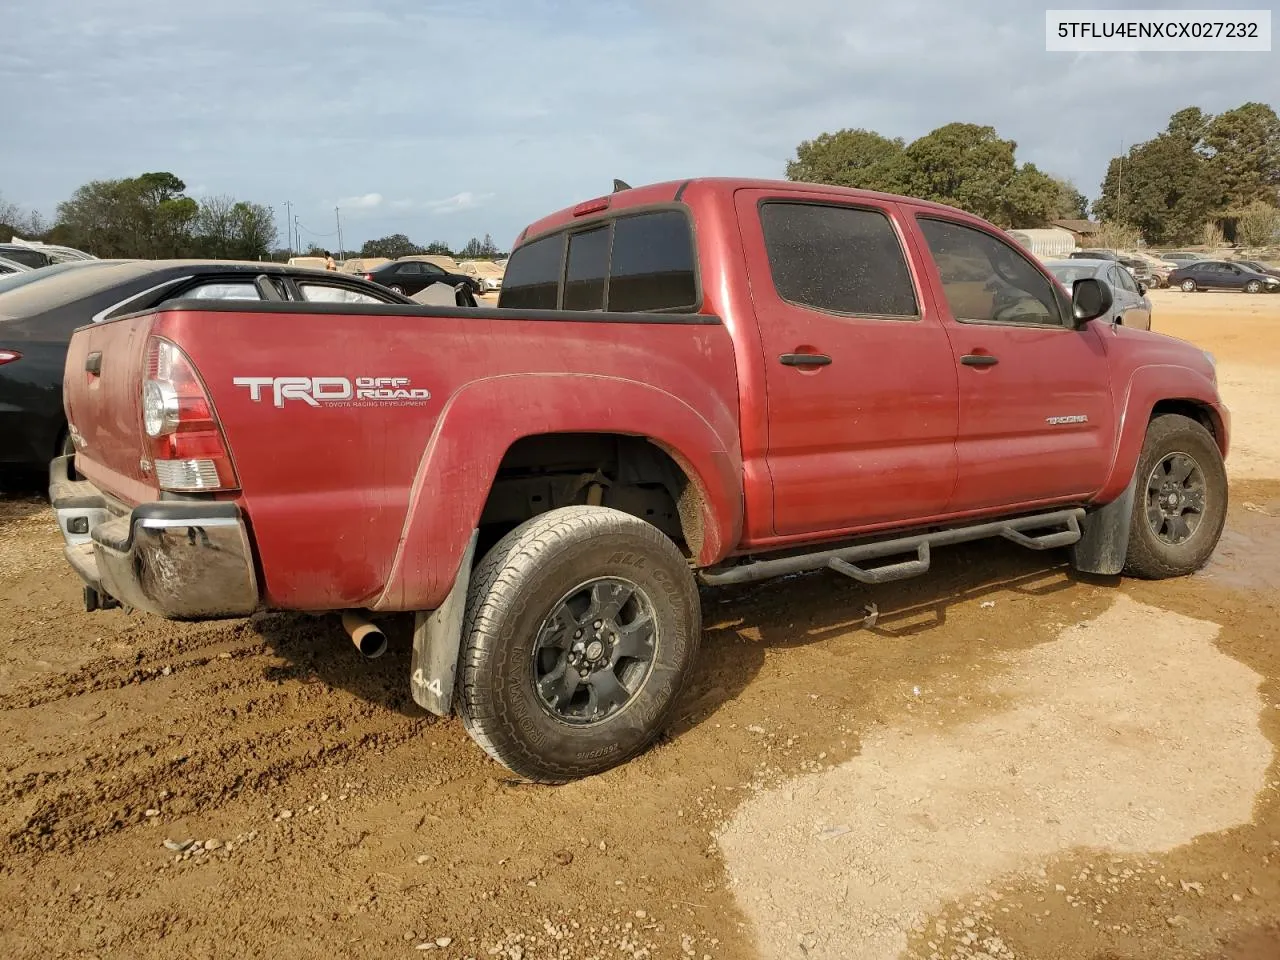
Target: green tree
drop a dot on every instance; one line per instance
(1258, 224)
(1244, 146)
(1071, 203)
(964, 165)
(473, 249)
(254, 230)
(851, 158)
(1030, 198)
(14, 220)
(395, 246)
(439, 248)
(148, 216)
(1163, 188)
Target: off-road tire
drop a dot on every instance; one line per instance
(1148, 556)
(512, 592)
(1188, 286)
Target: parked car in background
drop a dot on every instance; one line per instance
(1093, 255)
(1139, 270)
(1182, 257)
(362, 264)
(487, 273)
(12, 266)
(1259, 266)
(1222, 275)
(410, 276)
(1129, 304)
(37, 254)
(39, 310)
(27, 256)
(441, 260)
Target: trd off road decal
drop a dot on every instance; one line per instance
(336, 391)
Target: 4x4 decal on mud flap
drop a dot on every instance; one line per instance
(336, 391)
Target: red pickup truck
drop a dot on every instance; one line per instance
(722, 380)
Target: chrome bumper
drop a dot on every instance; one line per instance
(183, 560)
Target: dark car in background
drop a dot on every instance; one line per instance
(413, 276)
(1222, 275)
(39, 310)
(1093, 255)
(1261, 267)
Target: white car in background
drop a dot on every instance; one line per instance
(487, 273)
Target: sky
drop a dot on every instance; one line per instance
(446, 120)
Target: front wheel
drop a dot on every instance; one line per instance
(1181, 502)
(1188, 286)
(581, 628)
(1253, 286)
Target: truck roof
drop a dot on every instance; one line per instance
(671, 191)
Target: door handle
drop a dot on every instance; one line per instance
(93, 363)
(979, 360)
(805, 359)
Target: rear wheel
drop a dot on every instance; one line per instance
(1181, 504)
(580, 631)
(1253, 286)
(396, 288)
(1188, 286)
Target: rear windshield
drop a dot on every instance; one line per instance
(1069, 275)
(638, 263)
(26, 294)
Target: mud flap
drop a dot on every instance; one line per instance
(437, 636)
(1105, 540)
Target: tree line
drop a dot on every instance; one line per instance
(150, 217)
(398, 245)
(1218, 175)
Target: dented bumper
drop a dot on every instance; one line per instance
(184, 560)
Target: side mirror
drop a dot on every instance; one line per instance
(1142, 289)
(1090, 299)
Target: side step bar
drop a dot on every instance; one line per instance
(1021, 530)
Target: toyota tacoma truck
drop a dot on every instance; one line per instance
(713, 381)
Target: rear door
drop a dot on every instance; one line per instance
(860, 384)
(1133, 309)
(1036, 421)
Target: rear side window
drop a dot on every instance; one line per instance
(585, 271)
(652, 267)
(837, 259)
(223, 290)
(532, 281)
(327, 293)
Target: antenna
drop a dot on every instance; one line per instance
(620, 185)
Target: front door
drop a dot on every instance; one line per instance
(1036, 415)
(860, 383)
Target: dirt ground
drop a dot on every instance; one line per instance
(1011, 762)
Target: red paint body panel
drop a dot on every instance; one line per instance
(372, 506)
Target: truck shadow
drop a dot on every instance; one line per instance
(740, 626)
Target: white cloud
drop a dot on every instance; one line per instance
(466, 200)
(366, 202)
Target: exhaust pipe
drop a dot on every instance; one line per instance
(369, 640)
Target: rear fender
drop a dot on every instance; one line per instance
(1147, 387)
(480, 422)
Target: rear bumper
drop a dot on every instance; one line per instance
(179, 559)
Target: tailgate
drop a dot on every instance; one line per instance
(102, 391)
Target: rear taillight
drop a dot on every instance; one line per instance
(188, 450)
(369, 277)
(8, 356)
